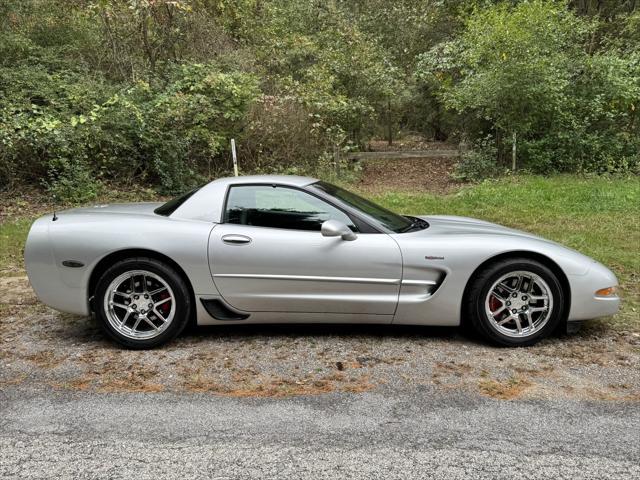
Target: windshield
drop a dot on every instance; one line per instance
(386, 218)
(172, 205)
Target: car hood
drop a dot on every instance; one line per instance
(448, 227)
(452, 225)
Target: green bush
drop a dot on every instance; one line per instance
(479, 162)
(131, 92)
(39, 112)
(63, 127)
(522, 70)
(189, 123)
(71, 181)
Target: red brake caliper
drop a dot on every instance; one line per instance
(165, 306)
(494, 304)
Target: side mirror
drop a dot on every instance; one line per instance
(334, 228)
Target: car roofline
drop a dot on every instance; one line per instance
(289, 180)
(207, 203)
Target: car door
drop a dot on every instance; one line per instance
(269, 256)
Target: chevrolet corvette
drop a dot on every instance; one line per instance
(287, 249)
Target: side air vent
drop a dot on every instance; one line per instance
(218, 310)
(72, 263)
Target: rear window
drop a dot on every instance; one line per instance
(172, 205)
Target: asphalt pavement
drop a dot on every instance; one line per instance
(383, 434)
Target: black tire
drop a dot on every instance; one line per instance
(478, 293)
(181, 310)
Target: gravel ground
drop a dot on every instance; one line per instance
(40, 348)
(311, 402)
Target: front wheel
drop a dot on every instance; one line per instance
(142, 303)
(515, 302)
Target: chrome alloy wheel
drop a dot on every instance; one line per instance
(519, 304)
(139, 304)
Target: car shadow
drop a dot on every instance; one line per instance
(409, 332)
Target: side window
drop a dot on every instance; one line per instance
(280, 207)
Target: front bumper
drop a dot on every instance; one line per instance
(585, 304)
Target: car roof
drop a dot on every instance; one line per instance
(207, 203)
(291, 180)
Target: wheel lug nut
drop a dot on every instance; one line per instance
(150, 306)
(524, 307)
(142, 311)
(146, 296)
(514, 311)
(136, 297)
(514, 295)
(508, 304)
(524, 297)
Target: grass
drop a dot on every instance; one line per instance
(12, 237)
(598, 216)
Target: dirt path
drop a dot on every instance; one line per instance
(418, 174)
(415, 175)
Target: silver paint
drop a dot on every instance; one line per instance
(361, 276)
(297, 276)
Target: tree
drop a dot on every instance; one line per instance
(512, 65)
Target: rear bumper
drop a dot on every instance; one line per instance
(45, 274)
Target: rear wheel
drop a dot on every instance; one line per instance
(142, 302)
(515, 302)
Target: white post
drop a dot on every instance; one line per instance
(235, 159)
(513, 153)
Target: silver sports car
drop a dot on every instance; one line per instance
(294, 249)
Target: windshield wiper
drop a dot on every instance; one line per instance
(416, 224)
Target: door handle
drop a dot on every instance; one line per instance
(236, 239)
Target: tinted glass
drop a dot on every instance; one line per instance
(172, 205)
(279, 207)
(386, 218)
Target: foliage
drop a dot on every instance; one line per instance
(524, 70)
(515, 64)
(66, 129)
(479, 162)
(151, 91)
(312, 51)
(283, 135)
(187, 123)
